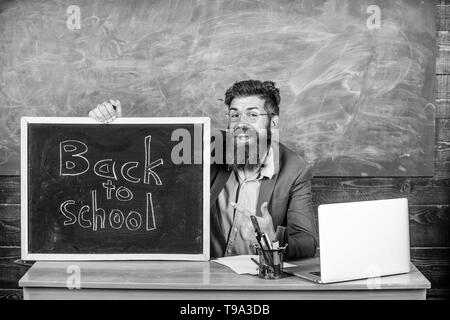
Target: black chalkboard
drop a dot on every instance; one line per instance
(115, 191)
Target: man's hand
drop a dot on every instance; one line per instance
(246, 227)
(265, 222)
(107, 111)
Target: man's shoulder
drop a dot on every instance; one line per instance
(293, 166)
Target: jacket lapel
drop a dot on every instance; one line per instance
(267, 185)
(265, 193)
(218, 183)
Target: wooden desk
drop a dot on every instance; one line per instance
(201, 280)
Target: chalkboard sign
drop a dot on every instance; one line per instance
(135, 189)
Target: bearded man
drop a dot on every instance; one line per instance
(262, 177)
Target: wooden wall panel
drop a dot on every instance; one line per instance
(9, 190)
(11, 294)
(443, 52)
(10, 270)
(442, 85)
(442, 15)
(419, 191)
(434, 263)
(442, 108)
(9, 225)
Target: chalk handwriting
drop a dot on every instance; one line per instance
(149, 166)
(124, 194)
(152, 214)
(109, 188)
(116, 218)
(95, 212)
(66, 213)
(74, 161)
(81, 219)
(71, 161)
(125, 171)
(105, 168)
(133, 223)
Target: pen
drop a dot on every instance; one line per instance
(267, 241)
(259, 235)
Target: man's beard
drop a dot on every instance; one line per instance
(249, 155)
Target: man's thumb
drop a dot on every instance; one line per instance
(117, 107)
(264, 210)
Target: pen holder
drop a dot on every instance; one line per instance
(270, 263)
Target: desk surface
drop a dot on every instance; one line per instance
(184, 275)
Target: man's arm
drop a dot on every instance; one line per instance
(301, 226)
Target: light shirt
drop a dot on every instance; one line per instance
(244, 191)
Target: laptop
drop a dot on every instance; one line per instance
(360, 240)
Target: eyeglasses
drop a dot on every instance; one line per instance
(251, 116)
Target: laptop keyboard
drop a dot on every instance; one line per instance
(316, 273)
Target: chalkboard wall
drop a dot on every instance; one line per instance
(356, 77)
(112, 189)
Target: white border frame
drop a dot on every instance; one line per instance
(204, 256)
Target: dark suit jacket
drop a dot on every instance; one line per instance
(289, 199)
